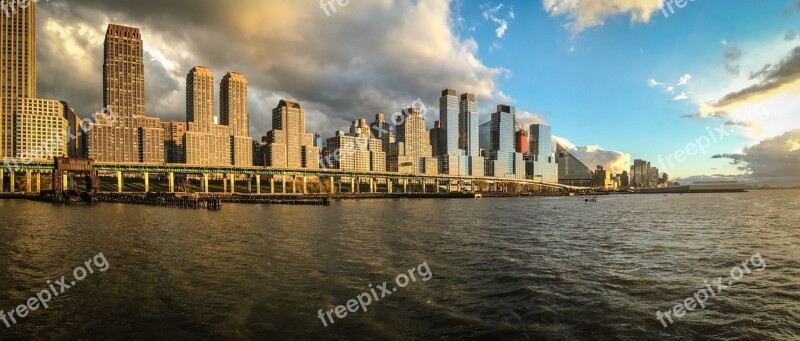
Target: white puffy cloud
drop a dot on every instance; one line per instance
(583, 14)
(592, 156)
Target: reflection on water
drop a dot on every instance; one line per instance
(554, 268)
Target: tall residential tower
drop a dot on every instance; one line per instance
(17, 68)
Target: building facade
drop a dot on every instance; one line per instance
(17, 68)
(41, 129)
(287, 144)
(131, 137)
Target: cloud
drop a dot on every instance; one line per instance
(680, 97)
(733, 54)
(774, 161)
(712, 114)
(749, 124)
(684, 80)
(338, 71)
(583, 14)
(774, 78)
(525, 118)
(491, 14)
(790, 35)
(592, 156)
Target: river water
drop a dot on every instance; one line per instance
(524, 268)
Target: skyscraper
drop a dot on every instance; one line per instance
(448, 116)
(131, 137)
(233, 113)
(502, 141)
(233, 104)
(200, 99)
(437, 137)
(17, 68)
(411, 152)
(288, 144)
(123, 71)
(544, 166)
(469, 134)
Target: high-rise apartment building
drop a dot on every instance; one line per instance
(233, 104)
(288, 144)
(233, 113)
(200, 99)
(17, 68)
(130, 137)
(354, 152)
(411, 152)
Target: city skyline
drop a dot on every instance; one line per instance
(567, 124)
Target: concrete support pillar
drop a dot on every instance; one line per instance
(294, 184)
(340, 185)
(272, 184)
(28, 184)
(389, 186)
(119, 182)
(233, 183)
(436, 183)
(171, 178)
(65, 181)
(11, 183)
(283, 183)
(224, 183)
(330, 183)
(372, 185)
(205, 183)
(38, 182)
(146, 182)
(405, 185)
(249, 184)
(258, 183)
(305, 186)
(2, 175)
(352, 185)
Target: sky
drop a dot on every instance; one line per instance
(704, 91)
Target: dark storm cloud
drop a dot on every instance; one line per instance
(772, 78)
(364, 59)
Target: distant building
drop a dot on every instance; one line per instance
(412, 152)
(354, 153)
(484, 136)
(521, 142)
(205, 142)
(382, 130)
(542, 164)
(288, 144)
(437, 137)
(640, 174)
(603, 179)
(174, 135)
(624, 180)
(571, 171)
(501, 147)
(233, 113)
(40, 129)
(131, 137)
